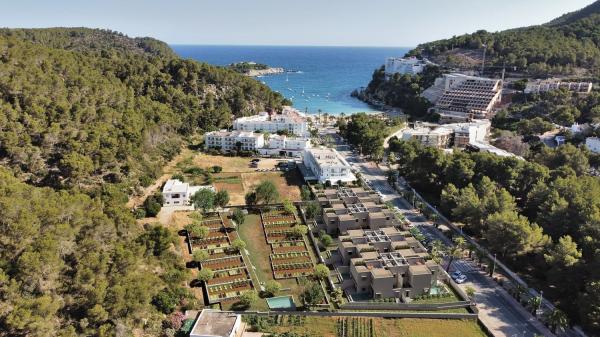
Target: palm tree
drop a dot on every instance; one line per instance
(534, 304)
(557, 319)
(437, 249)
(456, 251)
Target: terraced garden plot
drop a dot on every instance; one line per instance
(230, 276)
(230, 291)
(224, 263)
(210, 243)
(288, 247)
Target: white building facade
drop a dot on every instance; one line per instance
(404, 65)
(539, 86)
(233, 140)
(284, 146)
(290, 120)
(327, 164)
(177, 193)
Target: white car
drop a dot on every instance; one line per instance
(461, 279)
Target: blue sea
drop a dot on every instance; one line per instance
(325, 76)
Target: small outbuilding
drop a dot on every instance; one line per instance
(216, 323)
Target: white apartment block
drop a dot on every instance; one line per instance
(438, 137)
(455, 134)
(233, 140)
(289, 119)
(327, 164)
(177, 193)
(284, 146)
(404, 65)
(539, 86)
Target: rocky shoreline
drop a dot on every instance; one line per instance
(264, 72)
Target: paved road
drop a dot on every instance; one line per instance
(497, 309)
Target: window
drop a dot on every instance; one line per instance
(175, 196)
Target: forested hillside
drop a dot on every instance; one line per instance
(540, 215)
(85, 117)
(82, 106)
(567, 44)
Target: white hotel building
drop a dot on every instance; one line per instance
(230, 140)
(275, 145)
(290, 120)
(327, 164)
(284, 146)
(404, 65)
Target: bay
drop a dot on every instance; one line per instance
(324, 78)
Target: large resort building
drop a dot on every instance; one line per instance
(273, 145)
(249, 134)
(462, 98)
(289, 120)
(327, 165)
(234, 140)
(378, 258)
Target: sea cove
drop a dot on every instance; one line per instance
(320, 78)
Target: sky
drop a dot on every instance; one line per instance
(398, 23)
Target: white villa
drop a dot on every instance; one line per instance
(285, 146)
(230, 140)
(327, 164)
(177, 193)
(289, 119)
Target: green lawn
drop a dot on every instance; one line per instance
(251, 232)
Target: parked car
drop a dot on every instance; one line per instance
(461, 279)
(456, 274)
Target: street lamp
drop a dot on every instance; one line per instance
(494, 266)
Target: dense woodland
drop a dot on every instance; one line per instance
(401, 91)
(536, 113)
(86, 116)
(569, 42)
(77, 112)
(541, 215)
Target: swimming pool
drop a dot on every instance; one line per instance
(281, 303)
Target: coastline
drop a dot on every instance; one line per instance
(264, 72)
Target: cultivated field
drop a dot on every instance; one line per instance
(376, 327)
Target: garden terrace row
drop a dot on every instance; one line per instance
(228, 291)
(229, 276)
(210, 243)
(224, 263)
(288, 247)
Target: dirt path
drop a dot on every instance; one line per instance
(137, 200)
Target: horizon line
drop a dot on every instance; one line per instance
(279, 45)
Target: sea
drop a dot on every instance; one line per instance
(319, 78)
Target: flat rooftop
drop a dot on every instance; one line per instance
(214, 323)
